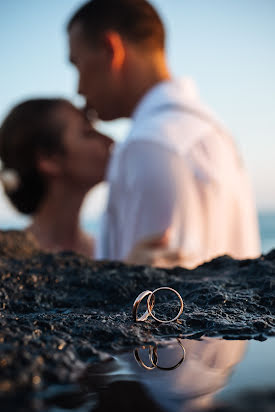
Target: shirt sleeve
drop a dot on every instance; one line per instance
(150, 192)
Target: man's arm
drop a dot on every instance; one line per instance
(154, 251)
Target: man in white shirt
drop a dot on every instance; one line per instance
(178, 172)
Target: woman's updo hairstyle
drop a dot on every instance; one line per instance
(28, 130)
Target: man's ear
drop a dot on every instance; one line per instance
(116, 48)
(49, 165)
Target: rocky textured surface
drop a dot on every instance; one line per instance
(59, 312)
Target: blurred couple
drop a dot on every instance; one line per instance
(179, 193)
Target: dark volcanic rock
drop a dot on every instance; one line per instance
(59, 312)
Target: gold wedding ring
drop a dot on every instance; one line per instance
(151, 303)
(140, 297)
(150, 306)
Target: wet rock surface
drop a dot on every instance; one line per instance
(60, 312)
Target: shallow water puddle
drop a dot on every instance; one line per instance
(179, 376)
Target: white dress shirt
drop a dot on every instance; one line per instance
(179, 170)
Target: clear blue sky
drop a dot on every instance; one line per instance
(227, 46)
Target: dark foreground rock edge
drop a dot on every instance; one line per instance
(60, 312)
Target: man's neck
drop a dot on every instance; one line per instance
(139, 83)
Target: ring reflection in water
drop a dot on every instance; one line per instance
(153, 358)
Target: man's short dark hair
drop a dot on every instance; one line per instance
(136, 20)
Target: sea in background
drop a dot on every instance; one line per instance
(266, 225)
(267, 230)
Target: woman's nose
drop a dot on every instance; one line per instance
(107, 141)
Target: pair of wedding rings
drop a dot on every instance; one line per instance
(150, 305)
(153, 358)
